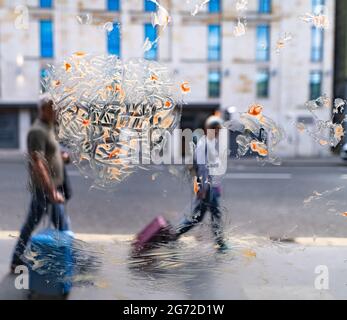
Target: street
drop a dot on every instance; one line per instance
(261, 201)
(301, 202)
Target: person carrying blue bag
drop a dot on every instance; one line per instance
(47, 172)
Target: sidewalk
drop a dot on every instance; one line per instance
(253, 269)
(295, 162)
(18, 157)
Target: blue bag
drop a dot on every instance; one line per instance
(50, 263)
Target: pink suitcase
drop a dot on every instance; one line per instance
(158, 231)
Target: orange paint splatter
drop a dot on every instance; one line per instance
(156, 119)
(56, 83)
(116, 152)
(67, 66)
(323, 142)
(86, 122)
(166, 123)
(185, 87)
(167, 104)
(248, 253)
(154, 77)
(259, 148)
(79, 54)
(196, 185)
(339, 132)
(255, 110)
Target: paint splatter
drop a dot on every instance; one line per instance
(241, 5)
(197, 6)
(240, 28)
(319, 21)
(324, 132)
(84, 18)
(283, 41)
(108, 111)
(259, 134)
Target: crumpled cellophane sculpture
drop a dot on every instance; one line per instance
(107, 108)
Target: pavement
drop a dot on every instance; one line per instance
(253, 269)
(300, 203)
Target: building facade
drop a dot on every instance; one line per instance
(226, 72)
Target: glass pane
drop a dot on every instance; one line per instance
(113, 40)
(151, 34)
(46, 3)
(315, 84)
(46, 38)
(150, 6)
(263, 84)
(264, 6)
(214, 6)
(317, 44)
(263, 43)
(214, 84)
(113, 5)
(214, 42)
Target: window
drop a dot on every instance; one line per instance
(46, 3)
(46, 38)
(214, 42)
(151, 34)
(214, 79)
(317, 44)
(317, 6)
(264, 6)
(43, 75)
(214, 6)
(113, 5)
(150, 6)
(113, 40)
(263, 43)
(315, 85)
(263, 81)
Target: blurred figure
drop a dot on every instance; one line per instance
(46, 166)
(209, 188)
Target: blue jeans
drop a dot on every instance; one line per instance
(39, 206)
(211, 203)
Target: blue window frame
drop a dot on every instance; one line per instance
(150, 6)
(46, 3)
(214, 42)
(214, 6)
(263, 43)
(113, 40)
(317, 6)
(43, 75)
(315, 84)
(317, 44)
(264, 6)
(113, 5)
(46, 39)
(151, 34)
(263, 83)
(214, 83)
